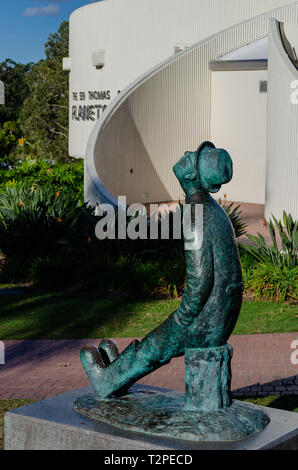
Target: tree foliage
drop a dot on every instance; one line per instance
(9, 134)
(14, 76)
(65, 178)
(45, 111)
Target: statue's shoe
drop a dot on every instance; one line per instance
(94, 365)
(108, 348)
(110, 373)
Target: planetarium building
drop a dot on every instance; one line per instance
(150, 79)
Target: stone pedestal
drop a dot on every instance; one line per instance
(52, 424)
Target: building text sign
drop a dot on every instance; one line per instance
(89, 105)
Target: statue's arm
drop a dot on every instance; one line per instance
(200, 280)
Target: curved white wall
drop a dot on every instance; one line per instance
(151, 123)
(238, 123)
(258, 50)
(282, 131)
(137, 35)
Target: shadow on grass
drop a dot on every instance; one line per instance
(285, 402)
(75, 314)
(65, 315)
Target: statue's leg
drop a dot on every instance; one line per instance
(137, 360)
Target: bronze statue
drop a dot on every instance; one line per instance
(212, 299)
(199, 328)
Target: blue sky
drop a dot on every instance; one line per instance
(26, 24)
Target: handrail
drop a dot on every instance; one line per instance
(280, 41)
(286, 44)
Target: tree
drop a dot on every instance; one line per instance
(13, 75)
(9, 134)
(45, 111)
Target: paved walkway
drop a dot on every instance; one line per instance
(261, 365)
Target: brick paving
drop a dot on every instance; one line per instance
(254, 216)
(38, 369)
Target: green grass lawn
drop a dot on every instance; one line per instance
(77, 314)
(283, 402)
(287, 402)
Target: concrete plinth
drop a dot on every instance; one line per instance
(53, 424)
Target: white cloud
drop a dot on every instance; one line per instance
(51, 10)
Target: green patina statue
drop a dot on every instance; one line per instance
(212, 298)
(199, 328)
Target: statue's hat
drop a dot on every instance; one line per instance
(218, 165)
(213, 168)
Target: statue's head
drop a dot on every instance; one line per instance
(204, 170)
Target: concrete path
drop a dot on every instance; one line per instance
(38, 369)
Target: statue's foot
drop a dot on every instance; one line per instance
(108, 350)
(110, 373)
(94, 365)
(96, 361)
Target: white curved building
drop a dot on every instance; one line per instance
(282, 122)
(150, 79)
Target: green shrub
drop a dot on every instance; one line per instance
(48, 238)
(235, 217)
(66, 178)
(273, 282)
(9, 134)
(14, 270)
(41, 222)
(51, 272)
(270, 272)
(272, 254)
(249, 264)
(132, 275)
